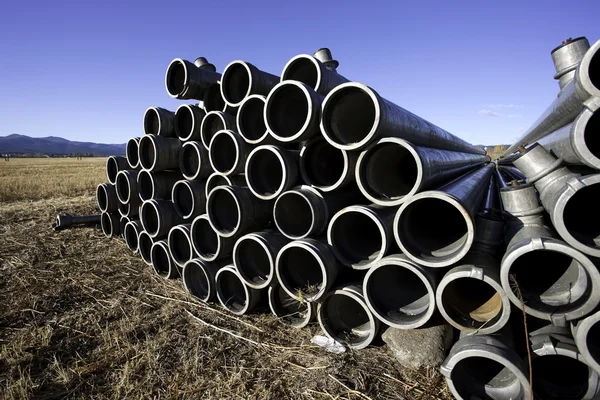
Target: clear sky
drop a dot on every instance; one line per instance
(87, 70)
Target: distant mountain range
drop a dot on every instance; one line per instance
(56, 145)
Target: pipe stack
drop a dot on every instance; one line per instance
(311, 195)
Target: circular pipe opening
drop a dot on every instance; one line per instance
(231, 291)
(235, 83)
(592, 341)
(432, 229)
(215, 180)
(302, 69)
(223, 210)
(211, 124)
(322, 164)
(176, 77)
(562, 285)
(131, 151)
(581, 218)
(213, 100)
(102, 198)
(594, 70)
(265, 172)
(196, 280)
(300, 272)
(106, 224)
(124, 209)
(183, 199)
(293, 215)
(251, 123)
(590, 134)
(346, 320)
(559, 377)
(131, 237)
(122, 187)
(112, 169)
(349, 115)
(145, 185)
(388, 172)
(288, 111)
(224, 153)
(357, 238)
(184, 122)
(147, 152)
(123, 221)
(287, 309)
(161, 260)
(477, 377)
(190, 161)
(205, 240)
(253, 261)
(151, 122)
(150, 218)
(398, 296)
(180, 246)
(472, 303)
(145, 247)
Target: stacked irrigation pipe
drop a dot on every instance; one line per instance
(310, 196)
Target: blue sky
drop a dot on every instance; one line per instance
(87, 70)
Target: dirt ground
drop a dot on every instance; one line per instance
(81, 317)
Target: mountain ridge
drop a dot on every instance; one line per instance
(23, 144)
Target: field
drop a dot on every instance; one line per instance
(81, 317)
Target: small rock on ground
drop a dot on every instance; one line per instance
(416, 348)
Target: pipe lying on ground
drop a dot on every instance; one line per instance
(189, 198)
(292, 112)
(228, 152)
(326, 167)
(570, 101)
(361, 235)
(185, 80)
(199, 279)
(161, 260)
(241, 79)
(319, 74)
(233, 210)
(110, 224)
(159, 121)
(254, 257)
(123, 220)
(288, 310)
(156, 185)
(194, 161)
(114, 164)
(306, 269)
(491, 202)
(145, 242)
(126, 187)
(131, 233)
(158, 217)
(159, 153)
(400, 292)
(578, 142)
(188, 119)
(213, 100)
(566, 288)
(214, 122)
(305, 212)
(217, 179)
(354, 115)
(106, 197)
(486, 367)
(180, 244)
(559, 370)
(392, 170)
(512, 172)
(208, 245)
(570, 199)
(271, 170)
(64, 221)
(435, 228)
(250, 121)
(233, 294)
(586, 333)
(132, 152)
(344, 316)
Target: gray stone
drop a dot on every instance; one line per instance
(416, 348)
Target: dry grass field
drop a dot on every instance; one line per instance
(82, 317)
